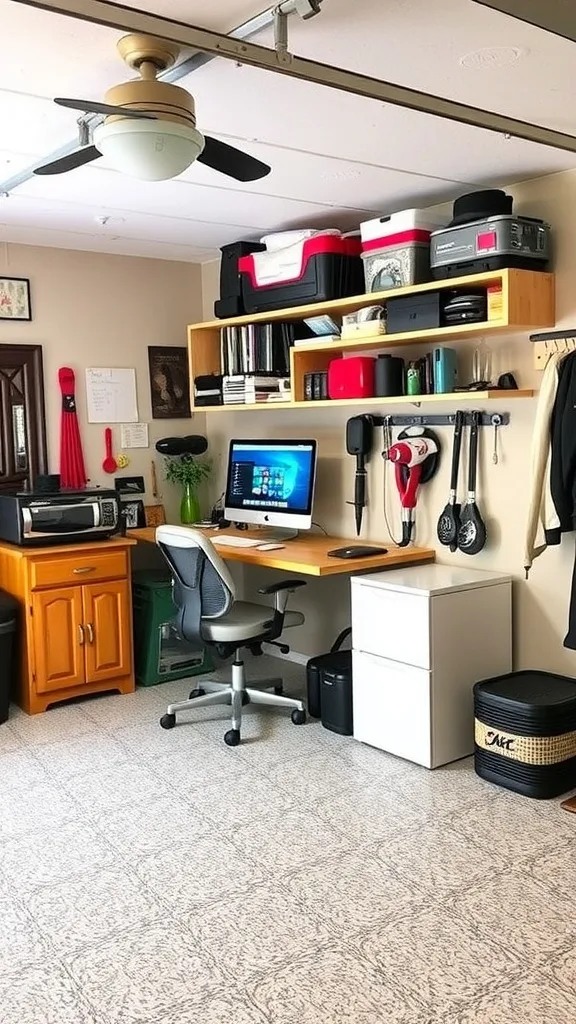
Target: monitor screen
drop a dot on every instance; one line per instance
(271, 482)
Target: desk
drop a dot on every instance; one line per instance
(307, 555)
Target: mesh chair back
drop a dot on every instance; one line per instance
(203, 588)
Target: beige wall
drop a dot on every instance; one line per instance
(541, 605)
(92, 309)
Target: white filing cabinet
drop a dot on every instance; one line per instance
(421, 637)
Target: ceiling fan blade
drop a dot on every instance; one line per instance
(556, 16)
(233, 162)
(93, 107)
(67, 163)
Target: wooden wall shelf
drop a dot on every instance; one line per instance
(455, 398)
(528, 302)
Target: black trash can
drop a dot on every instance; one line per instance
(525, 725)
(8, 652)
(316, 666)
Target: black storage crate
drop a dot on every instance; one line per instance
(326, 277)
(525, 732)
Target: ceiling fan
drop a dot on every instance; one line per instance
(150, 128)
(556, 16)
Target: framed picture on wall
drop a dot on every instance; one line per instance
(169, 382)
(15, 298)
(135, 515)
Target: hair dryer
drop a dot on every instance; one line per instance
(415, 460)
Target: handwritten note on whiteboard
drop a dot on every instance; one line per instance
(111, 395)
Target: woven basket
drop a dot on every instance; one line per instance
(536, 750)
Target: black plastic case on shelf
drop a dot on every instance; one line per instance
(322, 269)
(230, 302)
(525, 726)
(420, 312)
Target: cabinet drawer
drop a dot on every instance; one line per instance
(392, 625)
(79, 568)
(392, 707)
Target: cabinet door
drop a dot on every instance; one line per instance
(107, 622)
(58, 639)
(392, 707)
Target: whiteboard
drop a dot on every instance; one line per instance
(111, 395)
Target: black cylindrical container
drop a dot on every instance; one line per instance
(525, 732)
(336, 695)
(389, 376)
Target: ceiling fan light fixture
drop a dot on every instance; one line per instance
(148, 150)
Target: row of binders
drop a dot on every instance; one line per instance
(256, 349)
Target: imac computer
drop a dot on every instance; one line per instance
(271, 484)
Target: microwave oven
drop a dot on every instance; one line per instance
(65, 517)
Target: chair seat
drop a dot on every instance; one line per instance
(244, 621)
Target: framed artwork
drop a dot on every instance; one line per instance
(169, 382)
(135, 515)
(15, 298)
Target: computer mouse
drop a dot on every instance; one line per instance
(357, 551)
(269, 547)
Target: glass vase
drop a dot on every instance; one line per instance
(189, 506)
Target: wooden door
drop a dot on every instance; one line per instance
(108, 626)
(58, 639)
(22, 419)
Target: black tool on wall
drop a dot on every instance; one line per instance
(359, 442)
(472, 529)
(449, 521)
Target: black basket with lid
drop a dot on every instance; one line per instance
(525, 732)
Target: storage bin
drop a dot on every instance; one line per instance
(525, 732)
(317, 269)
(159, 655)
(9, 610)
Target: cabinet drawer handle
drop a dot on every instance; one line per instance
(83, 568)
(81, 635)
(90, 632)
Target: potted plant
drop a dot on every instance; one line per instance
(189, 472)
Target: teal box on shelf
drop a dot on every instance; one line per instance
(445, 371)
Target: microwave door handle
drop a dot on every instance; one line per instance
(62, 528)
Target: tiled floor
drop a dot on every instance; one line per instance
(151, 877)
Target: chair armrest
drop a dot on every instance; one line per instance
(274, 588)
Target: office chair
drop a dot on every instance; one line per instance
(207, 612)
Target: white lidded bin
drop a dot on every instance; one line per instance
(422, 636)
(374, 232)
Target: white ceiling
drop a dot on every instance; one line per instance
(336, 159)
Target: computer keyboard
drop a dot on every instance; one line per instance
(236, 542)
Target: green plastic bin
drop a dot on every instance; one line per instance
(158, 653)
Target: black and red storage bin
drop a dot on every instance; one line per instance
(318, 269)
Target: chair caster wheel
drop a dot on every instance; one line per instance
(198, 692)
(298, 717)
(168, 721)
(232, 737)
(278, 690)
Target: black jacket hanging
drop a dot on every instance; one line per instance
(563, 470)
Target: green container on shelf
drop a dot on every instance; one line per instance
(158, 653)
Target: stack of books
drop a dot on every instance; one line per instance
(251, 389)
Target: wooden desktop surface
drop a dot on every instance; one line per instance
(308, 555)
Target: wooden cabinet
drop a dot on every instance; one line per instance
(106, 622)
(76, 626)
(57, 633)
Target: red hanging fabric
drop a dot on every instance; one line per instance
(72, 470)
